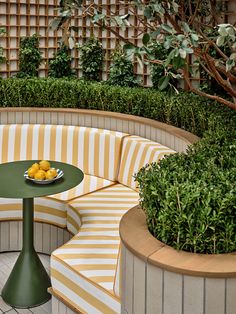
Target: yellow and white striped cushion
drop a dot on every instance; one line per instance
(81, 293)
(84, 269)
(136, 153)
(88, 185)
(94, 151)
(45, 210)
(106, 205)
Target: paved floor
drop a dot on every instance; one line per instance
(7, 260)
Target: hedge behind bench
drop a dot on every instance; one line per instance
(189, 199)
(186, 110)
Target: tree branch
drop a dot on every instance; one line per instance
(213, 44)
(192, 17)
(225, 84)
(213, 97)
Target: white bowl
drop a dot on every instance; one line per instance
(60, 174)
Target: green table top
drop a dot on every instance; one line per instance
(14, 185)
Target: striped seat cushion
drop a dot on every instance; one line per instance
(45, 210)
(51, 209)
(106, 205)
(136, 153)
(84, 269)
(94, 151)
(88, 185)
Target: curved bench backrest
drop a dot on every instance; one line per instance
(136, 153)
(94, 151)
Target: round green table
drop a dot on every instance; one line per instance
(28, 282)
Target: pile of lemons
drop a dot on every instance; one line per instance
(42, 171)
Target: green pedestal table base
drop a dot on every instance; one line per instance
(27, 285)
(28, 282)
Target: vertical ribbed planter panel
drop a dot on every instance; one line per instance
(156, 279)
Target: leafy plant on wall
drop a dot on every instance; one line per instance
(60, 65)
(2, 57)
(122, 70)
(92, 59)
(158, 71)
(29, 56)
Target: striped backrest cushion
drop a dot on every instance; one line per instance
(95, 151)
(136, 153)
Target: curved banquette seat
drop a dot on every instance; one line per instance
(85, 271)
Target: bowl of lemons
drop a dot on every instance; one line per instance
(43, 173)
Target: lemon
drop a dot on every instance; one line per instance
(51, 173)
(54, 171)
(35, 166)
(44, 165)
(31, 172)
(40, 175)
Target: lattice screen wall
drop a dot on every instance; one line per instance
(26, 17)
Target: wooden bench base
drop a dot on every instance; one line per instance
(47, 237)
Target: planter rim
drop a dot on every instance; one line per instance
(138, 240)
(188, 137)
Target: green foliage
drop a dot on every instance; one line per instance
(183, 27)
(91, 59)
(2, 57)
(186, 110)
(121, 70)
(209, 84)
(60, 66)
(161, 78)
(190, 199)
(227, 37)
(158, 70)
(185, 30)
(29, 56)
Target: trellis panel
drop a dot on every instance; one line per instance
(26, 17)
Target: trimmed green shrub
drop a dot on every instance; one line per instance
(60, 65)
(29, 56)
(122, 70)
(189, 199)
(186, 110)
(92, 59)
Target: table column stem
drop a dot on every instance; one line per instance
(28, 282)
(28, 224)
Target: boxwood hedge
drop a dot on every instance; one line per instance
(189, 199)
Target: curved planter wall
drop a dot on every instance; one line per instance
(168, 135)
(157, 279)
